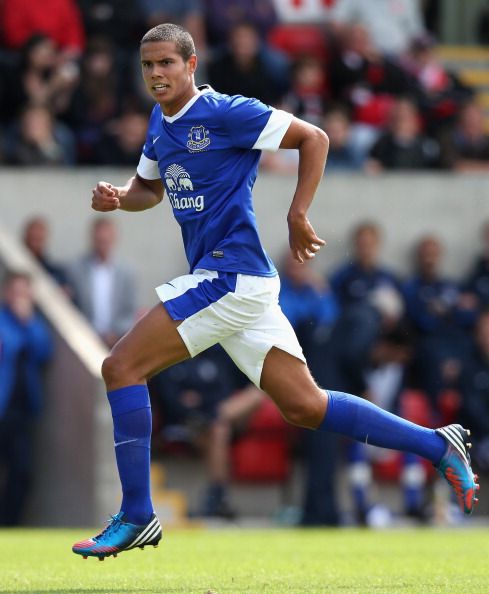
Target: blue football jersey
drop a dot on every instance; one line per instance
(207, 157)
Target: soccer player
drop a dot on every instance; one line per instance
(203, 148)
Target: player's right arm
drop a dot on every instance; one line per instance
(142, 191)
(138, 194)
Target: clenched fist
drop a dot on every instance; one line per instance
(105, 197)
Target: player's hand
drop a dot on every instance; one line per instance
(303, 240)
(105, 197)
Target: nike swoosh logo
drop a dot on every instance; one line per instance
(123, 442)
(155, 139)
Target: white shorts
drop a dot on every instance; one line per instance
(238, 311)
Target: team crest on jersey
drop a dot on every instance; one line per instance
(198, 138)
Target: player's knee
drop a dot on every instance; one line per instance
(114, 370)
(304, 413)
(108, 369)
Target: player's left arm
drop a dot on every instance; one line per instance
(312, 143)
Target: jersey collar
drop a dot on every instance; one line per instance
(202, 90)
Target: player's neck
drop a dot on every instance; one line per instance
(172, 108)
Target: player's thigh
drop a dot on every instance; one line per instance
(249, 347)
(151, 345)
(287, 379)
(270, 355)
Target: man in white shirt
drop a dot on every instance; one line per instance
(104, 288)
(392, 24)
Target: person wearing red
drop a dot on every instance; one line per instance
(58, 19)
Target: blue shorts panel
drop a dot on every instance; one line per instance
(197, 298)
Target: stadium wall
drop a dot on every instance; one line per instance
(406, 206)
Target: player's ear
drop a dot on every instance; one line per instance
(192, 64)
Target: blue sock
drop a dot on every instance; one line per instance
(362, 420)
(131, 412)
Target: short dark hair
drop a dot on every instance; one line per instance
(174, 33)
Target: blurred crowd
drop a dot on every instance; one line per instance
(366, 72)
(415, 344)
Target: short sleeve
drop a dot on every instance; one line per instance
(148, 163)
(253, 125)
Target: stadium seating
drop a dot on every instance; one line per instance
(262, 454)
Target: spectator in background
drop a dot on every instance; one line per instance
(60, 20)
(101, 96)
(356, 281)
(369, 298)
(391, 24)
(189, 14)
(476, 285)
(25, 347)
(221, 17)
(231, 419)
(433, 307)
(122, 139)
(403, 146)
(103, 287)
(390, 384)
(35, 237)
(364, 79)
(311, 308)
(39, 77)
(242, 68)
(474, 386)
(465, 148)
(346, 150)
(293, 12)
(307, 99)
(305, 297)
(121, 21)
(307, 96)
(203, 402)
(37, 138)
(431, 298)
(440, 92)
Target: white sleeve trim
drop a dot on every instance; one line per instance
(272, 134)
(147, 168)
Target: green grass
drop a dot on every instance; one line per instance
(255, 562)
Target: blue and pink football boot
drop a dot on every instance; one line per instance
(455, 466)
(120, 536)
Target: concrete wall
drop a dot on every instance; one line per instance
(407, 206)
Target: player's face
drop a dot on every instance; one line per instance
(168, 78)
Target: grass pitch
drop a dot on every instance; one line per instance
(254, 561)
